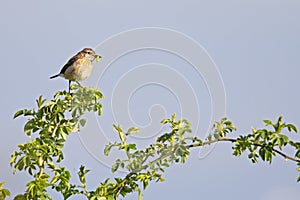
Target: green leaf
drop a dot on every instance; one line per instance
(209, 137)
(173, 117)
(196, 139)
(108, 147)
(217, 136)
(115, 167)
(44, 176)
(28, 127)
(13, 158)
(54, 179)
(40, 161)
(120, 132)
(100, 110)
(133, 130)
(268, 156)
(20, 197)
(110, 198)
(20, 164)
(98, 94)
(5, 192)
(268, 122)
(117, 128)
(291, 128)
(262, 153)
(165, 121)
(140, 195)
(20, 112)
(82, 122)
(101, 198)
(40, 101)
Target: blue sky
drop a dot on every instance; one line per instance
(254, 45)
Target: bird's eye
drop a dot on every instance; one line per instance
(89, 52)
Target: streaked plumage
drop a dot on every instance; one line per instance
(79, 67)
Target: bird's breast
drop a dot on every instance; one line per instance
(84, 70)
(79, 70)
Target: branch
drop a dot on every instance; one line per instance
(122, 184)
(255, 144)
(127, 177)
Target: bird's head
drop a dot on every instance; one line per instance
(90, 54)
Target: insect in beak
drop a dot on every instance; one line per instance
(98, 58)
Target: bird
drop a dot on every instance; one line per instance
(79, 67)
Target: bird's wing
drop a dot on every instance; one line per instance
(71, 62)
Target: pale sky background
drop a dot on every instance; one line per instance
(255, 45)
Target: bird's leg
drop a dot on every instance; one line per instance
(69, 87)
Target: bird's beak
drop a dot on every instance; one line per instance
(98, 58)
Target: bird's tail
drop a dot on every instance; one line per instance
(57, 75)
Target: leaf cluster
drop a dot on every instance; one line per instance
(148, 164)
(3, 192)
(262, 143)
(268, 142)
(49, 125)
(53, 121)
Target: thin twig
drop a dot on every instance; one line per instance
(255, 144)
(123, 183)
